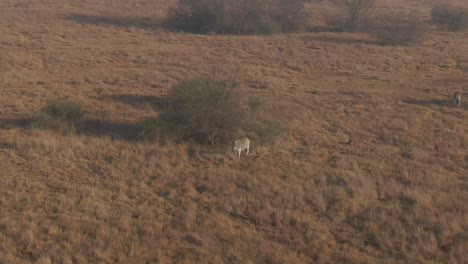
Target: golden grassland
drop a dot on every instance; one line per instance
(372, 167)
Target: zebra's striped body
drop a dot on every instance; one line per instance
(457, 98)
(241, 145)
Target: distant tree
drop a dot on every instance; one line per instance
(238, 16)
(356, 11)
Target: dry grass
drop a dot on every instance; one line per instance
(371, 167)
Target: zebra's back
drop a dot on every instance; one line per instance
(241, 145)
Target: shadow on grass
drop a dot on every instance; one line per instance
(326, 28)
(88, 127)
(115, 130)
(8, 123)
(439, 102)
(143, 23)
(340, 40)
(8, 145)
(139, 100)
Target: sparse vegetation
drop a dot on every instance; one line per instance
(398, 29)
(454, 17)
(238, 16)
(58, 114)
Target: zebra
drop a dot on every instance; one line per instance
(457, 98)
(241, 145)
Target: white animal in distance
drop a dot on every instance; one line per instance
(241, 145)
(457, 98)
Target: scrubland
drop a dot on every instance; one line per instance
(371, 167)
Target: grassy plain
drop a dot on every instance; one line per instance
(372, 167)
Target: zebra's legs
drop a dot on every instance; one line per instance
(457, 98)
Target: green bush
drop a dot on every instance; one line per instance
(152, 128)
(254, 103)
(237, 16)
(267, 131)
(56, 114)
(455, 18)
(202, 110)
(398, 29)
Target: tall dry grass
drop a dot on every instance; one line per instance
(371, 166)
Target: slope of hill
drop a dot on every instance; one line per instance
(372, 167)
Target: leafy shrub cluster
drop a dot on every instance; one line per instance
(455, 18)
(238, 16)
(58, 114)
(207, 112)
(202, 110)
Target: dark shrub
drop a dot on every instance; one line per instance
(455, 18)
(398, 29)
(56, 114)
(198, 16)
(201, 110)
(237, 16)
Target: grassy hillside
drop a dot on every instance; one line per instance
(372, 166)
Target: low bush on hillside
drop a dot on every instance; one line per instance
(237, 16)
(398, 29)
(207, 111)
(58, 114)
(201, 110)
(267, 131)
(455, 18)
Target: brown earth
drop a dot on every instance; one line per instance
(372, 168)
